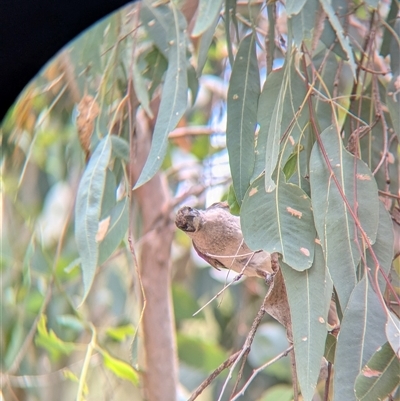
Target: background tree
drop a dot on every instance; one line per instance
(305, 96)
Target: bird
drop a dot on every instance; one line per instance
(218, 239)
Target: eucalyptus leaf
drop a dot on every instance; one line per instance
(379, 377)
(208, 12)
(307, 295)
(243, 93)
(88, 209)
(173, 99)
(362, 332)
(279, 221)
(343, 40)
(335, 226)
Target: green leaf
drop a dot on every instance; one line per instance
(388, 35)
(234, 206)
(157, 19)
(291, 164)
(204, 44)
(279, 221)
(121, 332)
(120, 148)
(116, 229)
(156, 65)
(119, 368)
(243, 93)
(344, 41)
(88, 208)
(379, 377)
(330, 348)
(383, 246)
(141, 90)
(335, 226)
(309, 294)
(361, 334)
(173, 99)
(50, 342)
(284, 127)
(208, 12)
(294, 6)
(303, 21)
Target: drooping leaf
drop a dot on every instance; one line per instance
(379, 377)
(173, 98)
(343, 40)
(157, 19)
(383, 246)
(361, 334)
(141, 90)
(309, 311)
(282, 120)
(119, 368)
(116, 230)
(208, 12)
(120, 333)
(204, 44)
(303, 21)
(294, 6)
(156, 65)
(388, 32)
(88, 209)
(335, 226)
(243, 93)
(279, 221)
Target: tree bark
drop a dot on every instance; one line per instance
(160, 376)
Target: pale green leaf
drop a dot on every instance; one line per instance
(116, 230)
(279, 221)
(208, 13)
(88, 209)
(335, 226)
(379, 377)
(243, 93)
(173, 98)
(361, 334)
(120, 333)
(343, 40)
(309, 295)
(120, 368)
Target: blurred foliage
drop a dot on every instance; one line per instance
(58, 132)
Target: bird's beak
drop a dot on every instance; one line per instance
(187, 219)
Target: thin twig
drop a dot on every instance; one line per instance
(213, 375)
(260, 369)
(247, 344)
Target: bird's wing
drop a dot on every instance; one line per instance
(212, 261)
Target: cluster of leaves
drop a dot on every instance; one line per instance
(309, 153)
